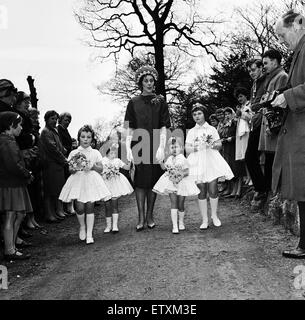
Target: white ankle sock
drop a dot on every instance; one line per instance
(108, 224)
(174, 216)
(214, 206)
(90, 224)
(181, 220)
(115, 217)
(82, 226)
(203, 208)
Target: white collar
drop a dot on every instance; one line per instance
(205, 125)
(80, 148)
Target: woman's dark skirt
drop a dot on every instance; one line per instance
(15, 199)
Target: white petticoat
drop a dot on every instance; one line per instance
(207, 165)
(186, 187)
(85, 187)
(119, 186)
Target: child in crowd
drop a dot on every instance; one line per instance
(176, 183)
(206, 163)
(117, 184)
(14, 178)
(85, 184)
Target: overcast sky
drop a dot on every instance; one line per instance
(42, 39)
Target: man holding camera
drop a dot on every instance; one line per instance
(276, 78)
(289, 162)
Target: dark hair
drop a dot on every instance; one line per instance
(21, 96)
(86, 128)
(289, 18)
(213, 117)
(229, 110)
(220, 110)
(241, 90)
(173, 140)
(49, 114)
(273, 54)
(257, 62)
(8, 119)
(140, 83)
(198, 106)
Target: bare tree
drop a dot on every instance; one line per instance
(127, 25)
(176, 66)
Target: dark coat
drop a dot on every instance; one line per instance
(12, 170)
(53, 161)
(143, 112)
(5, 107)
(277, 79)
(289, 162)
(65, 139)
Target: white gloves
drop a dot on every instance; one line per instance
(279, 101)
(160, 155)
(128, 149)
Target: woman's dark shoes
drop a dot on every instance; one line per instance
(260, 196)
(151, 226)
(52, 220)
(23, 245)
(297, 253)
(139, 228)
(24, 234)
(17, 256)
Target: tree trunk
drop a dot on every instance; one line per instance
(159, 57)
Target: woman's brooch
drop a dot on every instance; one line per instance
(158, 98)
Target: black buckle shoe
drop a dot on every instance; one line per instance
(297, 253)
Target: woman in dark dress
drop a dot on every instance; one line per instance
(146, 120)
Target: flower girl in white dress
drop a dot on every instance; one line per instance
(85, 184)
(176, 182)
(206, 163)
(117, 184)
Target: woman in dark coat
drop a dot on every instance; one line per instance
(146, 119)
(228, 147)
(54, 162)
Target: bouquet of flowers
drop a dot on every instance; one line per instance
(205, 140)
(175, 173)
(79, 162)
(110, 171)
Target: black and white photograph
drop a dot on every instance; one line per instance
(152, 153)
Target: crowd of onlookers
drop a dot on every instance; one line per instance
(35, 163)
(248, 143)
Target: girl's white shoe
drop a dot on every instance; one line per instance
(216, 222)
(204, 225)
(181, 220)
(89, 240)
(175, 230)
(82, 233)
(108, 225)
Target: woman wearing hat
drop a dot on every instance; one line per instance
(146, 120)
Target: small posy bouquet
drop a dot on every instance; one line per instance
(79, 162)
(175, 173)
(204, 140)
(110, 171)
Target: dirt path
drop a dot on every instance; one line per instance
(240, 260)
